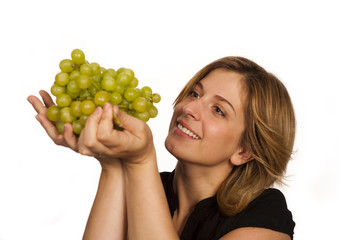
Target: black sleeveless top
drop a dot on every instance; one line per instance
(206, 222)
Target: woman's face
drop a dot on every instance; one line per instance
(207, 125)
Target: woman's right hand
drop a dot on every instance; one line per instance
(68, 139)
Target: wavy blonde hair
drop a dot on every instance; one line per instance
(269, 133)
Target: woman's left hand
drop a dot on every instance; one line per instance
(134, 144)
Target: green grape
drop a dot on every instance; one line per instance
(66, 116)
(74, 95)
(146, 92)
(120, 89)
(144, 116)
(109, 72)
(153, 111)
(63, 100)
(96, 83)
(82, 86)
(85, 94)
(131, 112)
(87, 107)
(74, 75)
(138, 92)
(130, 106)
(53, 113)
(95, 78)
(140, 104)
(57, 90)
(129, 72)
(120, 70)
(93, 89)
(75, 108)
(73, 87)
(123, 79)
(101, 98)
(156, 97)
(83, 81)
(95, 68)
(102, 71)
(108, 83)
(134, 83)
(149, 104)
(62, 78)
(60, 127)
(86, 69)
(83, 119)
(124, 104)
(115, 98)
(66, 65)
(77, 126)
(130, 94)
(78, 56)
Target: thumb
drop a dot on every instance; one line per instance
(127, 122)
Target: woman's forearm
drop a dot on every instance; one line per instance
(147, 208)
(107, 219)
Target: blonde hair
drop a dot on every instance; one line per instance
(269, 133)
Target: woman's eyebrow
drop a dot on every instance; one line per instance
(220, 98)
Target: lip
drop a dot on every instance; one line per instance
(181, 133)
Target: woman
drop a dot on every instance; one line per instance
(232, 132)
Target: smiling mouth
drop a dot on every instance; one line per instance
(187, 131)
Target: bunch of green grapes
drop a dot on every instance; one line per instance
(82, 86)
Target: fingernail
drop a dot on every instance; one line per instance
(30, 100)
(98, 110)
(106, 106)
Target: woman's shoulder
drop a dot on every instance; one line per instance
(269, 210)
(270, 197)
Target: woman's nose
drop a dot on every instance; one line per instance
(193, 109)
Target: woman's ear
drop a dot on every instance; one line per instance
(240, 157)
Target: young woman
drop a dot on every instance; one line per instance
(232, 132)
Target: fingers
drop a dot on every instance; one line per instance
(46, 98)
(37, 104)
(99, 138)
(129, 123)
(66, 140)
(106, 133)
(88, 141)
(70, 138)
(51, 130)
(82, 148)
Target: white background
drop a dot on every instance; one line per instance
(46, 191)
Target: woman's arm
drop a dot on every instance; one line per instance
(107, 219)
(253, 233)
(148, 212)
(147, 209)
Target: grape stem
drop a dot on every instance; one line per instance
(96, 85)
(117, 123)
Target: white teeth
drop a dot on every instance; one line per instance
(187, 131)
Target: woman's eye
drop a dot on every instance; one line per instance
(218, 111)
(194, 94)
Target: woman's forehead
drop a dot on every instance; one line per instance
(227, 84)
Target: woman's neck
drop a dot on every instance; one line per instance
(193, 183)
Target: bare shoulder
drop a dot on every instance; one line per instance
(253, 233)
